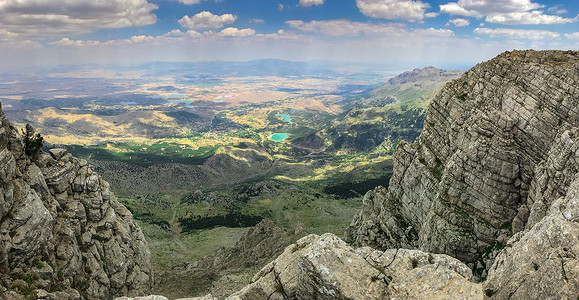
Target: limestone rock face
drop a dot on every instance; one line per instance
(542, 262)
(488, 164)
(325, 267)
(63, 234)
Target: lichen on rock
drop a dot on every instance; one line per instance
(493, 178)
(325, 267)
(469, 182)
(63, 234)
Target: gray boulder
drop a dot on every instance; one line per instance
(325, 267)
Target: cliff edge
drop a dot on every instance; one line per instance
(63, 235)
(494, 170)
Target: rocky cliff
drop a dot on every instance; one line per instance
(63, 235)
(499, 147)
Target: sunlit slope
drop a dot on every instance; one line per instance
(395, 111)
(412, 89)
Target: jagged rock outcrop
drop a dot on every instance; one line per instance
(158, 297)
(497, 157)
(325, 267)
(63, 235)
(469, 180)
(542, 262)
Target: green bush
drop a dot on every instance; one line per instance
(33, 141)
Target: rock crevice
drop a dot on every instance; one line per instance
(471, 179)
(492, 179)
(63, 234)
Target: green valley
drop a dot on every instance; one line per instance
(198, 161)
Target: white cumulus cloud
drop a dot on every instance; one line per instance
(504, 11)
(189, 2)
(343, 27)
(533, 17)
(76, 43)
(394, 9)
(518, 33)
(574, 35)
(192, 2)
(141, 38)
(207, 20)
(234, 32)
(308, 3)
(348, 28)
(31, 18)
(480, 8)
(459, 22)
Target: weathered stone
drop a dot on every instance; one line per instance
(206, 297)
(62, 227)
(325, 267)
(476, 173)
(68, 294)
(151, 297)
(542, 261)
(57, 154)
(158, 297)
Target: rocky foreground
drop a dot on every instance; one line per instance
(63, 235)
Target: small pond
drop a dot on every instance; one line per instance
(279, 137)
(284, 117)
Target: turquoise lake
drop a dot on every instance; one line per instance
(284, 117)
(278, 137)
(187, 102)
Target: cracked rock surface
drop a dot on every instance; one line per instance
(475, 174)
(63, 234)
(492, 180)
(325, 267)
(542, 262)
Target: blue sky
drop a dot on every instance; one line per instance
(401, 33)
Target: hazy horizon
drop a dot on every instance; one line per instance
(403, 34)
